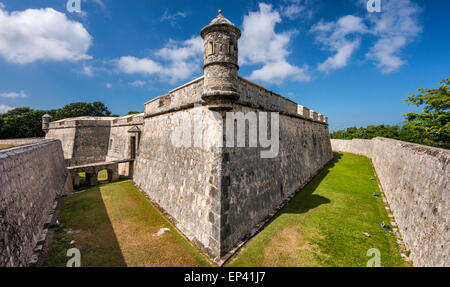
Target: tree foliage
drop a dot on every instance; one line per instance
(369, 132)
(430, 127)
(26, 122)
(80, 109)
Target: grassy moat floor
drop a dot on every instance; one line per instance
(115, 225)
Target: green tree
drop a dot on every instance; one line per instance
(25, 122)
(80, 109)
(432, 125)
(21, 123)
(368, 132)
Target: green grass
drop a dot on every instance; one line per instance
(323, 224)
(102, 176)
(115, 225)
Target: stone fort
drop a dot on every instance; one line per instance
(216, 195)
(218, 189)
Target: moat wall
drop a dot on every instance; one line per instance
(183, 180)
(258, 187)
(31, 177)
(416, 182)
(21, 141)
(216, 195)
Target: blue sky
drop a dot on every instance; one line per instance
(331, 56)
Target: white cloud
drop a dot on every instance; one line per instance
(13, 95)
(133, 65)
(5, 108)
(297, 8)
(335, 36)
(172, 18)
(260, 44)
(396, 27)
(88, 70)
(176, 61)
(108, 85)
(137, 83)
(340, 59)
(2, 6)
(277, 72)
(41, 35)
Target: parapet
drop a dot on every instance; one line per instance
(82, 122)
(314, 115)
(130, 120)
(179, 98)
(310, 114)
(303, 111)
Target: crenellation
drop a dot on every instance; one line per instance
(313, 115)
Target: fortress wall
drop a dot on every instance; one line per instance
(255, 96)
(179, 98)
(183, 180)
(84, 140)
(91, 143)
(356, 146)
(258, 187)
(214, 196)
(30, 178)
(67, 138)
(120, 140)
(416, 182)
(119, 147)
(20, 141)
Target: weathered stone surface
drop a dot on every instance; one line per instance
(416, 181)
(17, 142)
(182, 180)
(84, 139)
(217, 196)
(125, 132)
(257, 187)
(30, 178)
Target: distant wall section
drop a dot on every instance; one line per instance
(84, 140)
(416, 181)
(16, 142)
(124, 141)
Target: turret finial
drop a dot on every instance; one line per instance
(220, 12)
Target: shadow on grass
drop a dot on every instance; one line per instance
(305, 199)
(85, 219)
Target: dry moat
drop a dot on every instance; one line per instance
(325, 224)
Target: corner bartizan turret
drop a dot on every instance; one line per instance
(220, 55)
(46, 119)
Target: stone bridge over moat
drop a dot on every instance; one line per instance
(93, 169)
